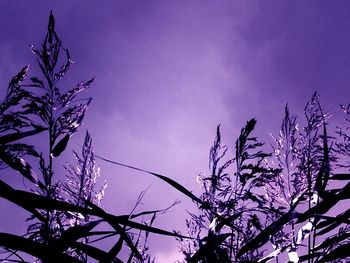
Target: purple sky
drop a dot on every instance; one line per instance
(167, 72)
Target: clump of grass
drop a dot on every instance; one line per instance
(63, 215)
(281, 199)
(254, 207)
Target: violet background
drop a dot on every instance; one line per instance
(167, 72)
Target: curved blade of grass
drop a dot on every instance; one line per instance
(169, 181)
(7, 192)
(30, 201)
(21, 166)
(123, 220)
(340, 177)
(309, 256)
(332, 240)
(91, 251)
(112, 254)
(124, 235)
(72, 234)
(19, 135)
(174, 184)
(343, 251)
(149, 212)
(34, 248)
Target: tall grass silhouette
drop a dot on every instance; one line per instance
(63, 215)
(254, 207)
(277, 204)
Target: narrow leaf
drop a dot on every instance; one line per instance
(60, 146)
(91, 251)
(72, 234)
(34, 248)
(112, 254)
(169, 181)
(19, 135)
(20, 165)
(343, 251)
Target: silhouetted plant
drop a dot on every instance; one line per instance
(63, 215)
(291, 205)
(281, 199)
(62, 116)
(249, 201)
(236, 198)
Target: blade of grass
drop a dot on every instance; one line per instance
(169, 181)
(34, 248)
(19, 135)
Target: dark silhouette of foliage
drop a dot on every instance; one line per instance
(64, 215)
(254, 207)
(236, 198)
(288, 210)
